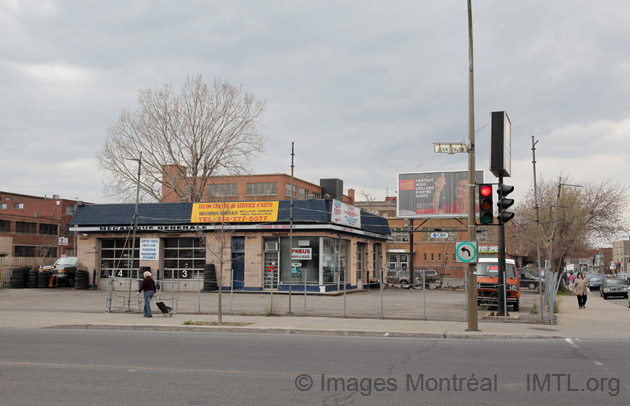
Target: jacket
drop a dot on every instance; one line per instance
(581, 287)
(148, 284)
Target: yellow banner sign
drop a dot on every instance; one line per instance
(234, 212)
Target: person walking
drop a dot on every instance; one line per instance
(148, 286)
(581, 290)
(571, 280)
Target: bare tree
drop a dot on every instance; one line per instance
(185, 138)
(588, 215)
(218, 245)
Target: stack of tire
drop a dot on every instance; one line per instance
(42, 279)
(82, 279)
(209, 278)
(19, 276)
(32, 279)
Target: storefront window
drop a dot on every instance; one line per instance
(305, 261)
(334, 260)
(309, 252)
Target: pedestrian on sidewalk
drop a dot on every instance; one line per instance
(581, 290)
(148, 286)
(571, 281)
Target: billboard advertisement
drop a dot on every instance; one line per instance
(434, 194)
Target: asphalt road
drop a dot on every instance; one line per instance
(83, 367)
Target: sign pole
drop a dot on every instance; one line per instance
(471, 277)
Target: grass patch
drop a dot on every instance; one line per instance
(564, 292)
(269, 313)
(534, 308)
(556, 304)
(214, 323)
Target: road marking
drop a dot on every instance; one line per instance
(135, 368)
(598, 363)
(570, 341)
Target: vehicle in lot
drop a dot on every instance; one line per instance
(529, 281)
(64, 268)
(613, 287)
(488, 282)
(401, 277)
(430, 276)
(594, 280)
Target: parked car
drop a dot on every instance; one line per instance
(64, 268)
(529, 281)
(430, 276)
(595, 280)
(398, 277)
(613, 287)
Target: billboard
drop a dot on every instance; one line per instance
(434, 194)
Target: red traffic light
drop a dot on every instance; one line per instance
(485, 204)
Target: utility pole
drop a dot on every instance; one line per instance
(411, 281)
(540, 282)
(472, 230)
(291, 216)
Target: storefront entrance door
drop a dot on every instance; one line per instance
(238, 262)
(238, 271)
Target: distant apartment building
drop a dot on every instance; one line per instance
(35, 227)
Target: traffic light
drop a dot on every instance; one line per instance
(485, 204)
(504, 216)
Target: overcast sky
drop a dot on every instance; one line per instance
(363, 88)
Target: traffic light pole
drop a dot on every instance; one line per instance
(501, 308)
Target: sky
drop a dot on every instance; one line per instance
(363, 88)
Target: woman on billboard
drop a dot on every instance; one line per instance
(458, 202)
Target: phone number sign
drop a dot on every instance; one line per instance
(234, 212)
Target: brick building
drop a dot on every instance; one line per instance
(36, 227)
(433, 240)
(256, 187)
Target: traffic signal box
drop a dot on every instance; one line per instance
(503, 191)
(486, 207)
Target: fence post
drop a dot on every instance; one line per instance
(381, 288)
(305, 273)
(290, 291)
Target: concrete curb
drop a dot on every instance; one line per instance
(322, 332)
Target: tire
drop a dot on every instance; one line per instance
(605, 297)
(70, 281)
(32, 279)
(81, 279)
(516, 306)
(42, 279)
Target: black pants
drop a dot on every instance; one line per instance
(581, 300)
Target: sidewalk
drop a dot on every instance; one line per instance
(601, 319)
